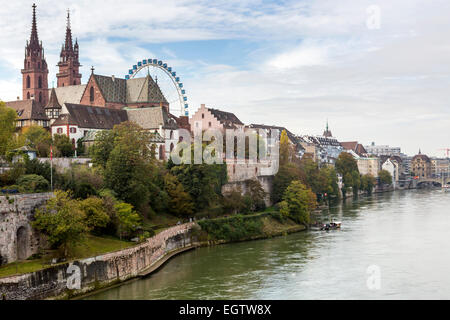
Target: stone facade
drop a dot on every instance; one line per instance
(97, 271)
(18, 240)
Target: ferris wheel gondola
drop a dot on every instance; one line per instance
(179, 101)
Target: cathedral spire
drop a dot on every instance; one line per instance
(68, 45)
(34, 39)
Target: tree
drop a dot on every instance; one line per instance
(298, 202)
(63, 221)
(64, 146)
(284, 148)
(203, 182)
(348, 168)
(179, 201)
(367, 183)
(285, 175)
(256, 195)
(95, 213)
(32, 183)
(128, 219)
(38, 138)
(103, 145)
(8, 119)
(128, 167)
(385, 177)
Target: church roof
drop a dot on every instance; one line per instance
(136, 90)
(70, 94)
(151, 118)
(112, 88)
(53, 101)
(28, 109)
(91, 117)
(144, 90)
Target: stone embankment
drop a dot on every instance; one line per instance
(82, 276)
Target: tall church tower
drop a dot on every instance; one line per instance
(35, 71)
(69, 65)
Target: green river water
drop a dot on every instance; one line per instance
(404, 236)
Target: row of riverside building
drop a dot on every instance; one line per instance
(81, 110)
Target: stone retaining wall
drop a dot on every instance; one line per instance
(85, 275)
(17, 239)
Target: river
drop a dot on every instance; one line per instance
(391, 246)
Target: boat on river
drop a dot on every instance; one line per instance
(326, 226)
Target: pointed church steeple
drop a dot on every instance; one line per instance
(69, 64)
(327, 132)
(35, 71)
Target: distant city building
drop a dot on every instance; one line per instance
(421, 166)
(382, 150)
(355, 147)
(392, 166)
(293, 139)
(367, 165)
(440, 167)
(208, 118)
(324, 149)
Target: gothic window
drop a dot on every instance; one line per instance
(28, 83)
(40, 96)
(29, 66)
(28, 96)
(74, 83)
(39, 65)
(40, 82)
(171, 147)
(171, 136)
(91, 94)
(203, 116)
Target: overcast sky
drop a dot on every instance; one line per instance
(287, 63)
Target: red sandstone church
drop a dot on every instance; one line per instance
(79, 110)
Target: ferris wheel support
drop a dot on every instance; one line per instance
(146, 63)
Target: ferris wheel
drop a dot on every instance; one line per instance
(167, 80)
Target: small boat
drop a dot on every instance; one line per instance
(331, 226)
(446, 188)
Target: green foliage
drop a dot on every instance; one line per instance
(63, 221)
(104, 144)
(234, 202)
(203, 182)
(255, 195)
(36, 167)
(385, 177)
(32, 183)
(8, 119)
(96, 217)
(348, 168)
(128, 219)
(38, 139)
(234, 228)
(179, 201)
(298, 202)
(284, 148)
(63, 145)
(285, 175)
(367, 183)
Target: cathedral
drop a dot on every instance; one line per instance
(80, 110)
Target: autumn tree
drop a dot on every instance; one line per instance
(8, 119)
(298, 202)
(348, 168)
(39, 139)
(179, 201)
(385, 177)
(63, 221)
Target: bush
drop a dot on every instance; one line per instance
(32, 183)
(233, 229)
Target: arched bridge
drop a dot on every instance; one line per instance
(432, 182)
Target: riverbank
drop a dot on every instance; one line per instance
(85, 276)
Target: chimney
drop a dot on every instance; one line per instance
(113, 78)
